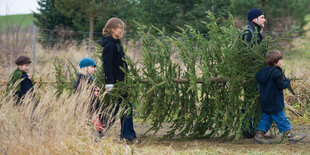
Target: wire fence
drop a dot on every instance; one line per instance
(17, 41)
(67, 36)
(11, 42)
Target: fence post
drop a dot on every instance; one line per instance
(34, 48)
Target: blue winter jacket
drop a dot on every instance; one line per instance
(271, 85)
(95, 101)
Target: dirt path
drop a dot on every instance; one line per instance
(224, 147)
(154, 144)
(142, 128)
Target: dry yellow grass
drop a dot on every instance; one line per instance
(55, 126)
(297, 64)
(61, 126)
(46, 57)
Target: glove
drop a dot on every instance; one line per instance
(108, 87)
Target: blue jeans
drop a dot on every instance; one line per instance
(279, 118)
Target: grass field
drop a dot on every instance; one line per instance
(297, 60)
(24, 20)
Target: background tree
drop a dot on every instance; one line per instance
(159, 13)
(87, 8)
(279, 14)
(49, 18)
(92, 15)
(127, 10)
(183, 9)
(196, 16)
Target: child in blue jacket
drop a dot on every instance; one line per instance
(85, 79)
(271, 85)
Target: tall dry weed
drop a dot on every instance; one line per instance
(298, 105)
(55, 126)
(45, 57)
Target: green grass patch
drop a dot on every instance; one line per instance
(307, 18)
(24, 20)
(299, 57)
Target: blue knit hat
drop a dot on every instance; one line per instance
(254, 13)
(85, 62)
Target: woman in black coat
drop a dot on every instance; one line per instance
(112, 57)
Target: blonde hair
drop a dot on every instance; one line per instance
(112, 23)
(272, 57)
(84, 71)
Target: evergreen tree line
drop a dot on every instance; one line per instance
(91, 15)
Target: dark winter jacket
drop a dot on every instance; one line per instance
(112, 57)
(82, 78)
(271, 85)
(250, 30)
(88, 80)
(23, 87)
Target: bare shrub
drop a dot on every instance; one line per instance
(298, 105)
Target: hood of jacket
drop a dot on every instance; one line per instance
(265, 74)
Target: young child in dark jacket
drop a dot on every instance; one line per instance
(20, 73)
(112, 57)
(85, 80)
(271, 85)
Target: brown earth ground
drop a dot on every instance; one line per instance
(155, 144)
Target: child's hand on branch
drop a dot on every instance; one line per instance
(97, 124)
(96, 91)
(29, 76)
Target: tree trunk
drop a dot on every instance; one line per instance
(91, 31)
(263, 4)
(181, 10)
(263, 8)
(212, 6)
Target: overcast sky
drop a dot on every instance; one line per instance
(11, 7)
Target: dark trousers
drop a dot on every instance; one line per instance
(127, 129)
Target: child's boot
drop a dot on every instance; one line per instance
(259, 138)
(292, 138)
(268, 135)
